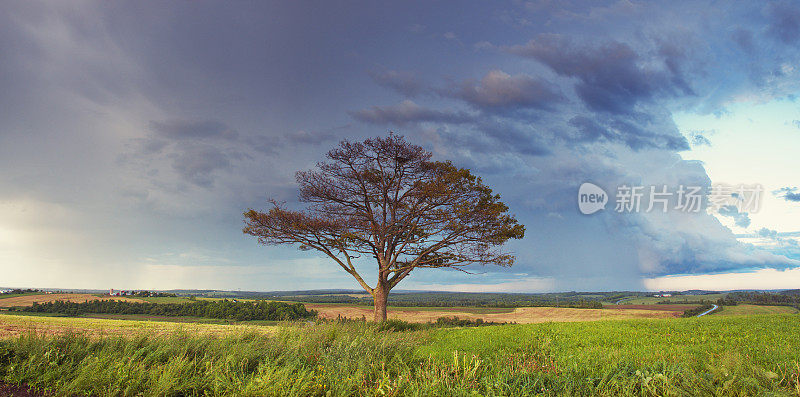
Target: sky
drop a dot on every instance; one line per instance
(133, 135)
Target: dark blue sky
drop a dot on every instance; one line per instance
(133, 135)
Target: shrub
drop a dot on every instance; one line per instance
(224, 309)
(697, 310)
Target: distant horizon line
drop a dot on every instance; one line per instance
(401, 291)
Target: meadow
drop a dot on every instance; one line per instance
(520, 315)
(623, 349)
(714, 355)
(747, 310)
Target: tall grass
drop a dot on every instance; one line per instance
(722, 356)
(295, 361)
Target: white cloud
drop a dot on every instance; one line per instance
(759, 279)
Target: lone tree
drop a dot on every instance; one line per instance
(386, 198)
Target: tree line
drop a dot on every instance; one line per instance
(785, 298)
(224, 309)
(458, 300)
(698, 310)
(19, 291)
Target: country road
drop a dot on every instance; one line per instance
(699, 315)
(708, 311)
(623, 300)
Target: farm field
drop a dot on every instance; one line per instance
(672, 307)
(9, 295)
(165, 299)
(459, 309)
(520, 315)
(12, 325)
(747, 310)
(722, 355)
(359, 295)
(29, 299)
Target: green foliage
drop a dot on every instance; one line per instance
(21, 291)
(697, 310)
(727, 302)
(18, 292)
(224, 309)
(740, 356)
(789, 297)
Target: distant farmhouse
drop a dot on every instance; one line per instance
(140, 293)
(123, 292)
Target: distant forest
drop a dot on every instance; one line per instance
(223, 309)
(19, 291)
(786, 298)
(781, 298)
(456, 299)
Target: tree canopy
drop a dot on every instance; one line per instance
(387, 198)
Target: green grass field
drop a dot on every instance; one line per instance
(714, 355)
(748, 310)
(166, 299)
(3, 296)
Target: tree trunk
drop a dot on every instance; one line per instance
(380, 297)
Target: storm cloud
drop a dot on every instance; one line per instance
(145, 134)
(498, 90)
(611, 77)
(408, 112)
